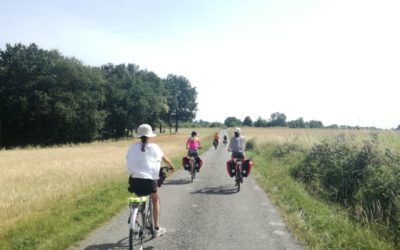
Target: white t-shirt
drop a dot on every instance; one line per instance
(144, 165)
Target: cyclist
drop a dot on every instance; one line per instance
(225, 139)
(193, 144)
(216, 139)
(237, 145)
(144, 162)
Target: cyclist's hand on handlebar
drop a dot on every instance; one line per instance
(171, 168)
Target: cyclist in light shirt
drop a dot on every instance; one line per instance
(237, 145)
(144, 162)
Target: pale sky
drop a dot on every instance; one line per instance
(336, 61)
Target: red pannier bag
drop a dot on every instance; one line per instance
(246, 167)
(185, 163)
(230, 167)
(198, 163)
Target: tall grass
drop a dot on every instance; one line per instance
(38, 186)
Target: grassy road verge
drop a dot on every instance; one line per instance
(315, 223)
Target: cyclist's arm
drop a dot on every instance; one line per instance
(169, 162)
(199, 143)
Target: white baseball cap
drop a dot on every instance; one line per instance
(145, 130)
(237, 130)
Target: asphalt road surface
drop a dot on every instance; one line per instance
(206, 214)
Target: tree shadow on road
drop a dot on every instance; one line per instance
(177, 182)
(224, 189)
(122, 244)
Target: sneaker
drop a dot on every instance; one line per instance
(159, 232)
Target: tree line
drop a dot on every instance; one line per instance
(47, 98)
(278, 119)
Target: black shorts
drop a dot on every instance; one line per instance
(193, 153)
(142, 187)
(237, 154)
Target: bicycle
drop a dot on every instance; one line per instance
(215, 143)
(141, 224)
(238, 172)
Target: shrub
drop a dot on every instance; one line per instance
(361, 176)
(250, 144)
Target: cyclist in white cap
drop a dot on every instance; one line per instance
(144, 162)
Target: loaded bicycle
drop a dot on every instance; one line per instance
(239, 168)
(192, 164)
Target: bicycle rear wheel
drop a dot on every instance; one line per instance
(192, 170)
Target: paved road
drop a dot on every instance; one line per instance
(206, 214)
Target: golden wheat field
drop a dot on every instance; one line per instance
(303, 136)
(32, 178)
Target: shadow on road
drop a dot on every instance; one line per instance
(122, 244)
(177, 182)
(225, 189)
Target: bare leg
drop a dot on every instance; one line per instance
(156, 209)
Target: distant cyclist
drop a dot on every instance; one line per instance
(144, 162)
(225, 139)
(216, 139)
(193, 144)
(237, 145)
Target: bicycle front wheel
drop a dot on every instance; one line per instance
(238, 184)
(149, 219)
(136, 233)
(237, 179)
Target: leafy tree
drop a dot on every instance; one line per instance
(333, 126)
(181, 100)
(260, 122)
(248, 121)
(299, 123)
(277, 120)
(315, 124)
(133, 97)
(232, 122)
(46, 98)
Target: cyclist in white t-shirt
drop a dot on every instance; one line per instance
(144, 162)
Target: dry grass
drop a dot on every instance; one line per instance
(306, 137)
(32, 178)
